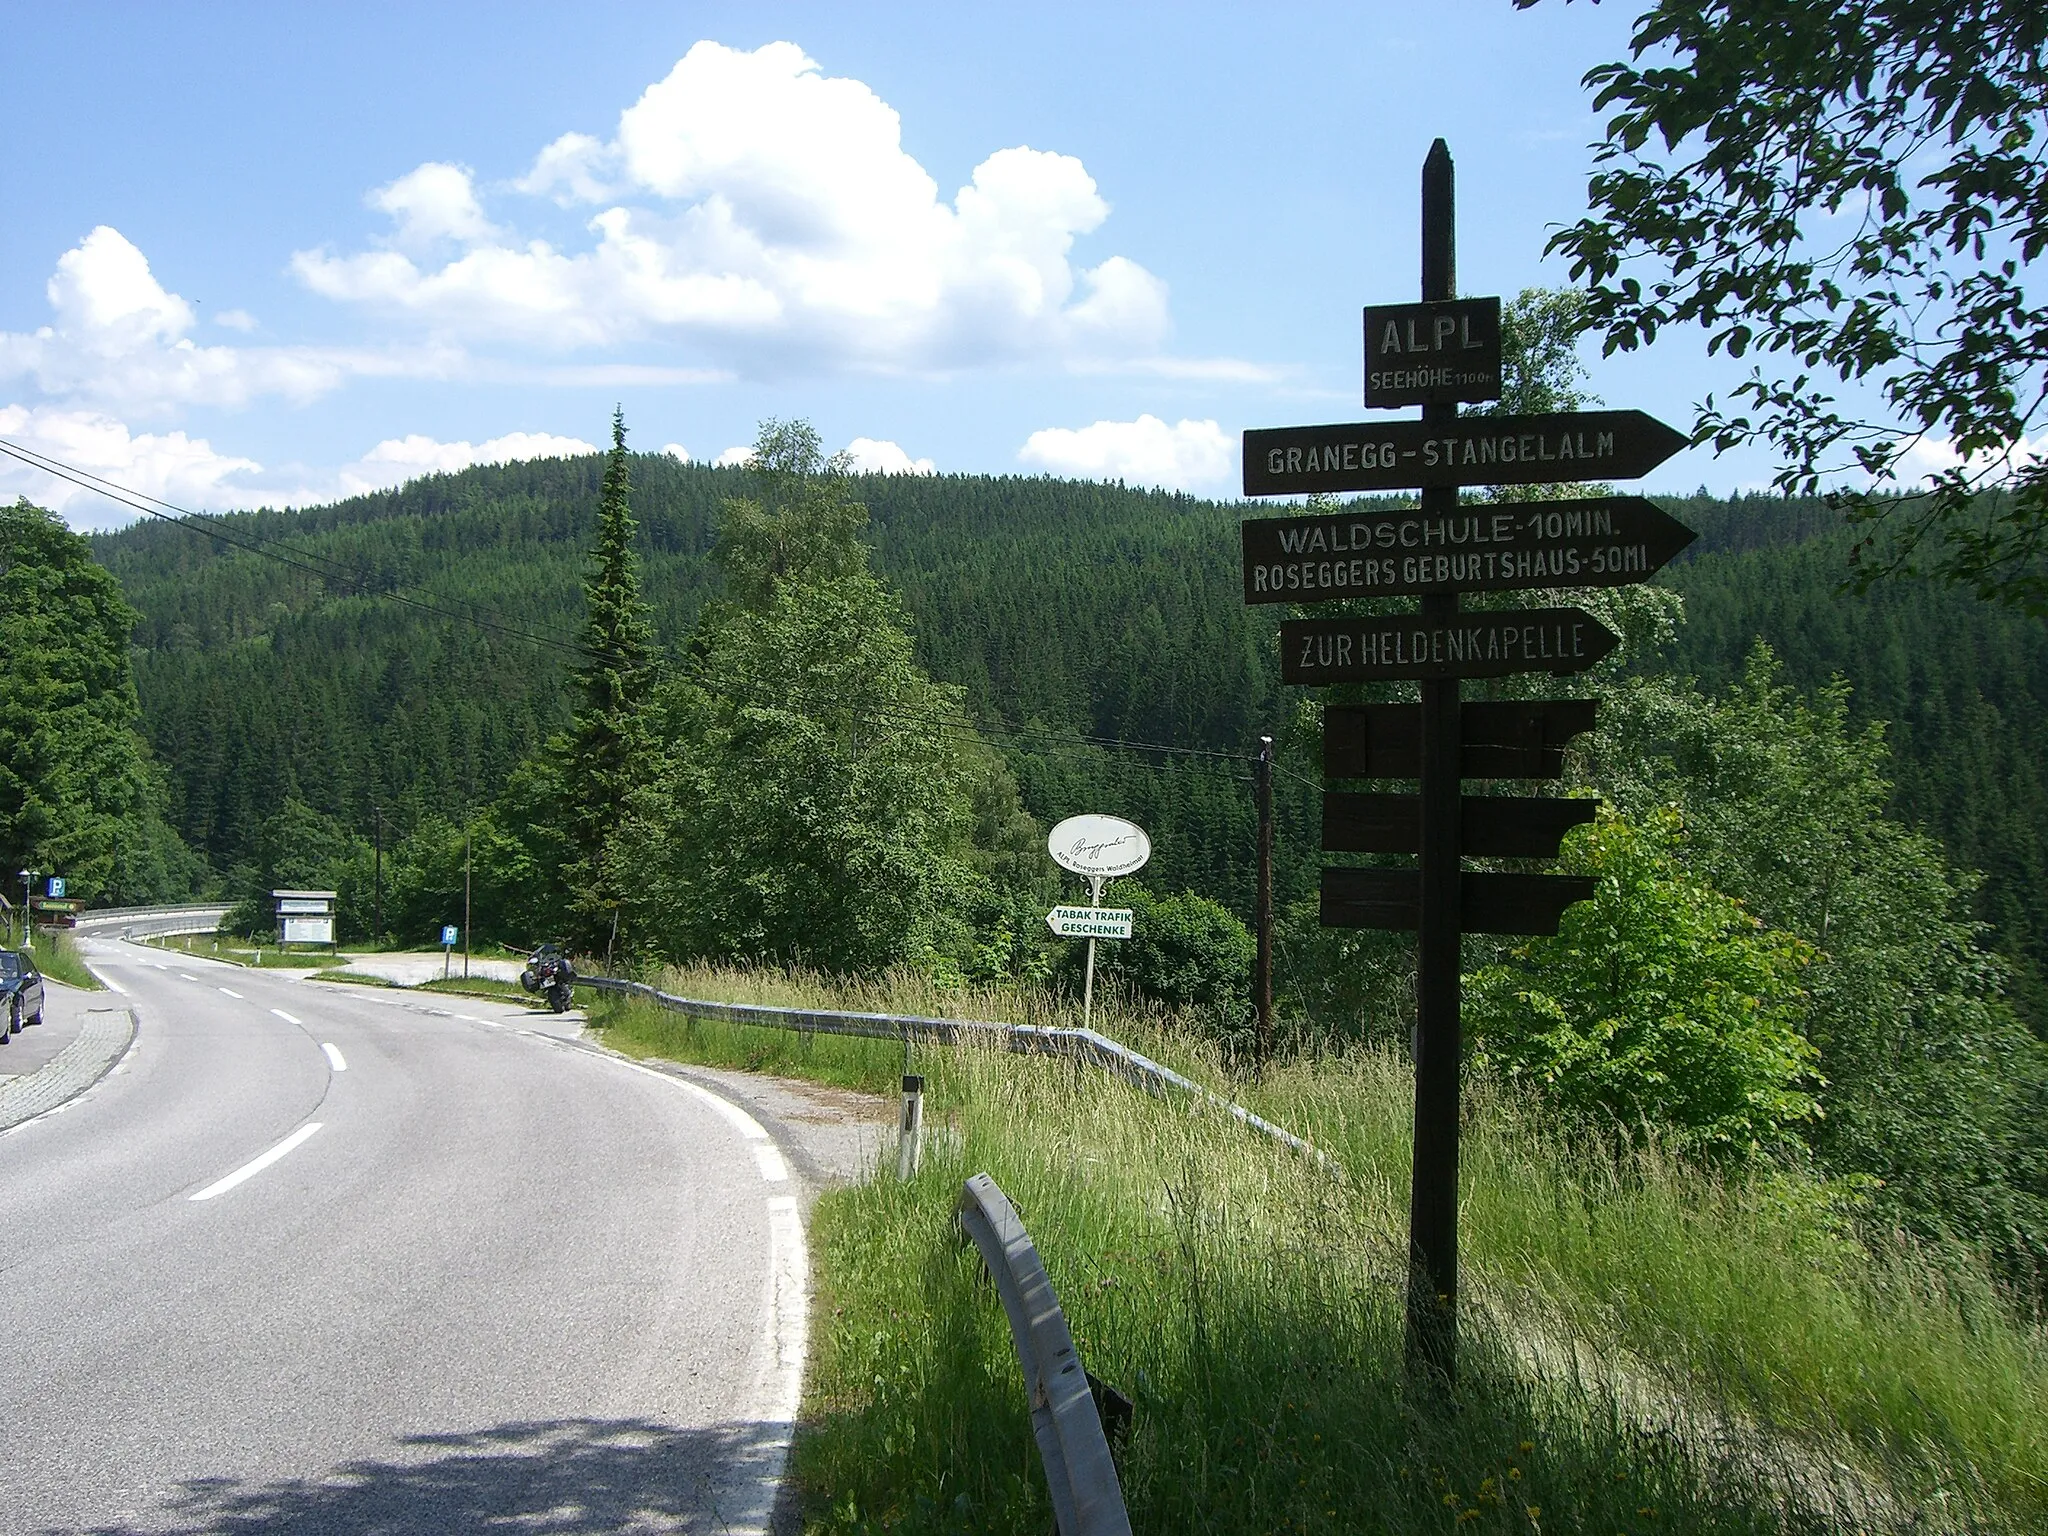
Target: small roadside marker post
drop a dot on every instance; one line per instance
(910, 1128)
(1436, 354)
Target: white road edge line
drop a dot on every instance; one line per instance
(250, 1169)
(334, 1057)
(107, 981)
(288, 1018)
(235, 995)
(778, 1380)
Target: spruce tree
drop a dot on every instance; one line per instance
(606, 746)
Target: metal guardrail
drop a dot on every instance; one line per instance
(201, 917)
(1084, 1045)
(1087, 1499)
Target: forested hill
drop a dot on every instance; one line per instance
(1063, 609)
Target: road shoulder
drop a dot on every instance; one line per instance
(830, 1136)
(83, 1034)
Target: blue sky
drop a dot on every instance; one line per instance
(264, 253)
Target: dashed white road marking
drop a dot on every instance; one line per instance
(250, 1169)
(334, 1057)
(288, 1018)
(232, 993)
(188, 978)
(773, 1169)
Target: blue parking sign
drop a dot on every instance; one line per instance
(447, 935)
(56, 887)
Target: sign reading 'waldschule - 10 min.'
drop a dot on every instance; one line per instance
(1596, 541)
(1474, 450)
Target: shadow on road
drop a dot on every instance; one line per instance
(568, 1476)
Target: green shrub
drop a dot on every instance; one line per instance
(1185, 952)
(1660, 1002)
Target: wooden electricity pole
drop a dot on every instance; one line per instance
(1262, 980)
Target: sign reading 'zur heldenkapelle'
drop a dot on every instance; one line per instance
(1497, 644)
(1432, 353)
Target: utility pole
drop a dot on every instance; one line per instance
(465, 898)
(1262, 980)
(377, 900)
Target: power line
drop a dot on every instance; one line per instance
(312, 564)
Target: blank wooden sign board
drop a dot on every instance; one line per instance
(1437, 353)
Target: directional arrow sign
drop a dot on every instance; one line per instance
(1090, 922)
(1489, 826)
(1488, 903)
(1559, 640)
(1599, 541)
(1497, 738)
(1473, 450)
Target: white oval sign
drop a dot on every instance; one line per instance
(1099, 845)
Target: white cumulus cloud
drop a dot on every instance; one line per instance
(872, 457)
(399, 459)
(190, 475)
(766, 215)
(677, 452)
(1188, 456)
(434, 203)
(119, 340)
(734, 457)
(1928, 456)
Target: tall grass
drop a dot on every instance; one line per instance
(1647, 1348)
(56, 954)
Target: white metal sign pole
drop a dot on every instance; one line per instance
(1088, 979)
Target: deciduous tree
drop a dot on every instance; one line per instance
(1858, 191)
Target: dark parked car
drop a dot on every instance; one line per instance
(21, 993)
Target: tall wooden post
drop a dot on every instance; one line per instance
(377, 879)
(1433, 1188)
(1262, 980)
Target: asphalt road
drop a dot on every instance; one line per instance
(485, 1279)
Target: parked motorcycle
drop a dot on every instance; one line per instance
(549, 973)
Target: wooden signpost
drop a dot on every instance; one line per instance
(1435, 354)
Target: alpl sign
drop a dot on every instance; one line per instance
(1437, 353)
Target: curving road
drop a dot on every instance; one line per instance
(315, 1258)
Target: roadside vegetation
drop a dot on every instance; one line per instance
(56, 953)
(235, 950)
(1717, 1348)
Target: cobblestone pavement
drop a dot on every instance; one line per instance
(104, 1033)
